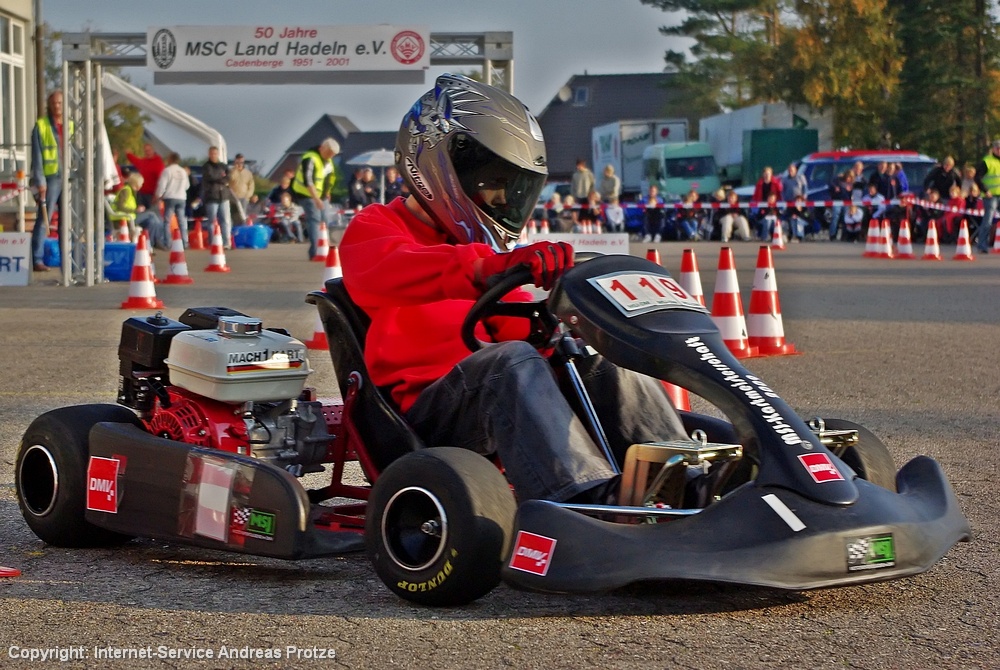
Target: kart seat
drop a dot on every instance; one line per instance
(385, 434)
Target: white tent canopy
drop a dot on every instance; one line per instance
(116, 90)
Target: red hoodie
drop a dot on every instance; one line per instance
(417, 289)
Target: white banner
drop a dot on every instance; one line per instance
(607, 243)
(15, 259)
(286, 53)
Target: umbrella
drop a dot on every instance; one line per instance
(380, 158)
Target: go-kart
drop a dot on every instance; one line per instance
(215, 429)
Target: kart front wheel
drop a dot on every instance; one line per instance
(51, 471)
(439, 522)
(869, 457)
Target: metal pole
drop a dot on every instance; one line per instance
(65, 213)
(102, 170)
(87, 250)
(39, 59)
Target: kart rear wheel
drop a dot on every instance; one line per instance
(50, 474)
(869, 457)
(439, 522)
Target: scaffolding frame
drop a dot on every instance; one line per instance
(84, 57)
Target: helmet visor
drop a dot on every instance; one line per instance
(504, 192)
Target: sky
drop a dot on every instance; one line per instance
(553, 40)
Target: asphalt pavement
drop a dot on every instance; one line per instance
(911, 349)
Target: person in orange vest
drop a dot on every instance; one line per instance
(46, 171)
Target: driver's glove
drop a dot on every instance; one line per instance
(546, 260)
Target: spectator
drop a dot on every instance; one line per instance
(710, 226)
(924, 212)
(215, 195)
(284, 186)
(796, 218)
(582, 182)
(357, 197)
(689, 220)
(767, 185)
(880, 178)
(256, 210)
(942, 177)
(853, 218)
(876, 202)
(653, 215)
(590, 212)
(46, 173)
(899, 174)
(552, 208)
(241, 184)
(611, 185)
(372, 191)
(973, 203)
(968, 179)
(172, 189)
(127, 206)
(952, 215)
(734, 219)
(840, 191)
(393, 184)
(314, 179)
(767, 216)
(567, 218)
(988, 181)
(615, 216)
(289, 217)
(859, 187)
(795, 184)
(149, 165)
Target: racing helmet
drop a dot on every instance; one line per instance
(463, 143)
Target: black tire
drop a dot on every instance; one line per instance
(439, 522)
(869, 457)
(50, 475)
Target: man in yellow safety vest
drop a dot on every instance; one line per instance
(313, 182)
(46, 171)
(988, 178)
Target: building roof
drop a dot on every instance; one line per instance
(590, 100)
(328, 125)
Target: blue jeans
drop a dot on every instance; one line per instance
(53, 191)
(504, 400)
(313, 217)
(220, 210)
(983, 236)
(155, 229)
(176, 206)
(835, 220)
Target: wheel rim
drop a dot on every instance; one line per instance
(38, 480)
(414, 528)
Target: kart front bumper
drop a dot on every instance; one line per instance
(764, 536)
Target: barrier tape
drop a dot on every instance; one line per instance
(13, 194)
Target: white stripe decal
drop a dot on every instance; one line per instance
(787, 515)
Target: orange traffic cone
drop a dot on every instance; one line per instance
(932, 250)
(764, 325)
(196, 237)
(545, 227)
(141, 292)
(678, 395)
(653, 255)
(331, 271)
(727, 307)
(885, 244)
(217, 262)
(874, 240)
(178, 263)
(9, 572)
(905, 245)
(996, 245)
(532, 227)
(778, 237)
(322, 244)
(963, 252)
(690, 279)
(123, 234)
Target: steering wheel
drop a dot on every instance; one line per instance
(490, 304)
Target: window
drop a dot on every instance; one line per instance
(13, 97)
(581, 95)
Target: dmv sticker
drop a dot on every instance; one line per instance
(532, 553)
(635, 293)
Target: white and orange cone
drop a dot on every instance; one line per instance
(764, 326)
(996, 245)
(331, 271)
(217, 262)
(778, 237)
(873, 242)
(727, 307)
(196, 237)
(932, 250)
(322, 244)
(963, 251)
(123, 234)
(904, 248)
(885, 246)
(653, 255)
(678, 395)
(690, 279)
(545, 227)
(532, 227)
(178, 262)
(141, 292)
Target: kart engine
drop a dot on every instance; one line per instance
(216, 379)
